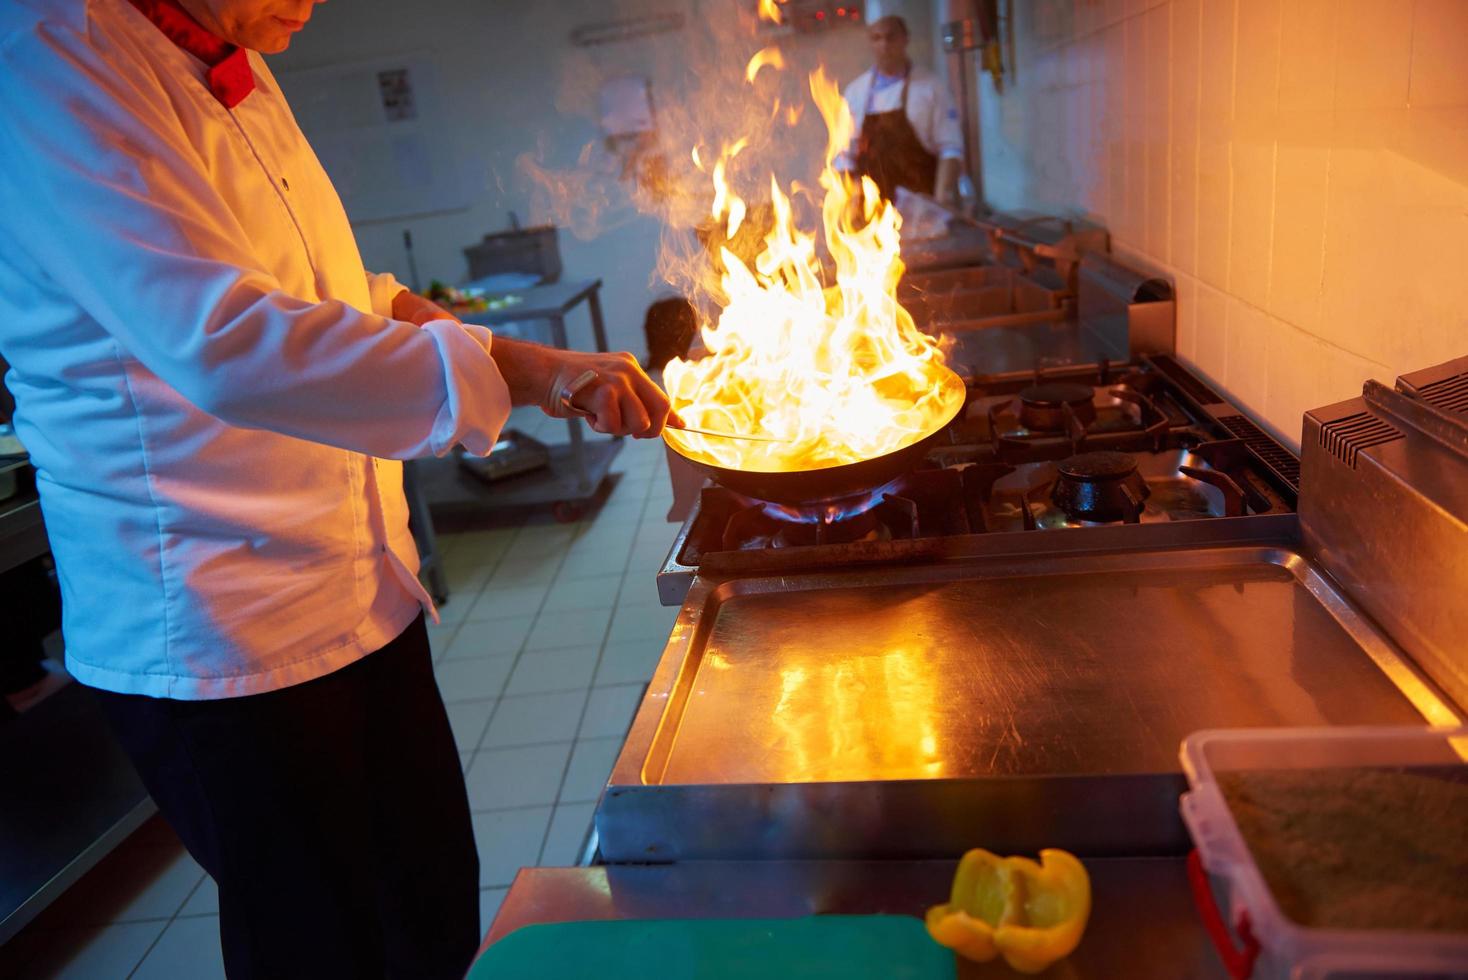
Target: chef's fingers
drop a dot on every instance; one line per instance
(635, 421)
(605, 407)
(654, 403)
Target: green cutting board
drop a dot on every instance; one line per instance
(827, 947)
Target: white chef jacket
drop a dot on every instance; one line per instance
(930, 109)
(208, 381)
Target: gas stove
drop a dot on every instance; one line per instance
(1009, 642)
(1063, 449)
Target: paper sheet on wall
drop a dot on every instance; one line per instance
(379, 129)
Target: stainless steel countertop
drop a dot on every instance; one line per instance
(1142, 924)
(905, 711)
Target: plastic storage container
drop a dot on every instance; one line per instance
(1259, 941)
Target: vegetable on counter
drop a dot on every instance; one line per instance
(1031, 914)
(469, 300)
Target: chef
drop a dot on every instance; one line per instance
(215, 394)
(907, 128)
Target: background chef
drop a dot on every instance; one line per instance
(908, 133)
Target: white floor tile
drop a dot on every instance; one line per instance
(508, 840)
(96, 953)
(154, 830)
(640, 588)
(575, 628)
(204, 900)
(489, 638)
(468, 720)
(609, 711)
(440, 636)
(463, 583)
(526, 776)
(594, 562)
(473, 679)
(535, 718)
(541, 539)
(547, 671)
(489, 906)
(619, 511)
(628, 662)
(133, 883)
(641, 622)
(599, 592)
(591, 764)
(570, 826)
(533, 570)
(509, 602)
(187, 948)
(644, 565)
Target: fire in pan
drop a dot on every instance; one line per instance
(753, 470)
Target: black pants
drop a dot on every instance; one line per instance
(332, 815)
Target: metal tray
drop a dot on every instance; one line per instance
(1014, 701)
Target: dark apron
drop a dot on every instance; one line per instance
(889, 151)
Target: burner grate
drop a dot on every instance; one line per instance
(1180, 376)
(1270, 453)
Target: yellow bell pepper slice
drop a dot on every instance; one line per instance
(1031, 914)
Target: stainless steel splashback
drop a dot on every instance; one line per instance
(1384, 507)
(1134, 312)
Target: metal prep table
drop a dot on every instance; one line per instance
(577, 467)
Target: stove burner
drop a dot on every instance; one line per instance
(1100, 486)
(1043, 407)
(832, 511)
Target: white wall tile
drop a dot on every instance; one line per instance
(1256, 60)
(1156, 130)
(1302, 176)
(1186, 288)
(1215, 116)
(1183, 136)
(1252, 214)
(1315, 223)
(1307, 64)
(1439, 67)
(1246, 353)
(1373, 52)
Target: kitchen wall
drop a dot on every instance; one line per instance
(516, 84)
(1300, 167)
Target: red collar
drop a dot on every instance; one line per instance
(229, 75)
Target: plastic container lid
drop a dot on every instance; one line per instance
(1276, 946)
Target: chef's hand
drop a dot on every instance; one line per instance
(611, 390)
(412, 308)
(619, 399)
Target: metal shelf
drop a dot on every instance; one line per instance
(71, 797)
(453, 494)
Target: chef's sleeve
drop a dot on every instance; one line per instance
(100, 187)
(383, 287)
(947, 131)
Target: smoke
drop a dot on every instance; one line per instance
(723, 79)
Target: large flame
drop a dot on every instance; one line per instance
(836, 374)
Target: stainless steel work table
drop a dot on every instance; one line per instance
(1142, 920)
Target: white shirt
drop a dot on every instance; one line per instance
(930, 109)
(207, 380)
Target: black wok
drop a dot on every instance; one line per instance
(797, 488)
